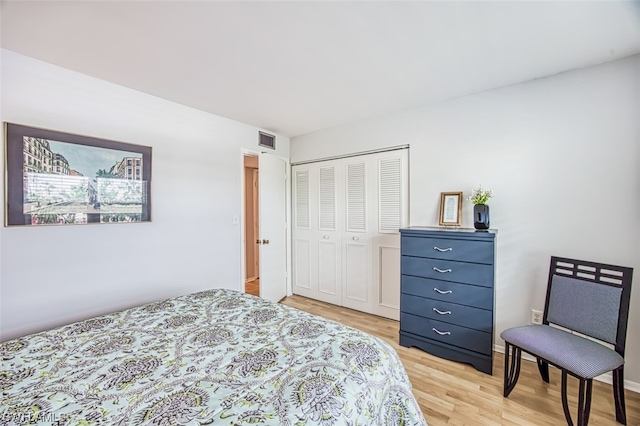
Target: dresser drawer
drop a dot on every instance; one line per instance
(448, 249)
(464, 294)
(462, 337)
(452, 313)
(447, 270)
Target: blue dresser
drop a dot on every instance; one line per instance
(447, 293)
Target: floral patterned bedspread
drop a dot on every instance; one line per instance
(214, 357)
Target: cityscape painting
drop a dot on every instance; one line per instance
(57, 179)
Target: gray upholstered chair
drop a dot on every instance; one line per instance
(587, 298)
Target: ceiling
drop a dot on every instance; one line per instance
(295, 67)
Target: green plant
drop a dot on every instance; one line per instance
(480, 195)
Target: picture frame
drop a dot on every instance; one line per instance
(56, 178)
(450, 208)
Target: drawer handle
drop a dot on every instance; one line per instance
(442, 271)
(442, 250)
(442, 333)
(441, 312)
(437, 290)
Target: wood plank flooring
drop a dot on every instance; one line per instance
(252, 287)
(451, 393)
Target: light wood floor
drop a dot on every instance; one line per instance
(252, 287)
(452, 393)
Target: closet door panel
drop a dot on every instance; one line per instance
(356, 197)
(387, 283)
(392, 212)
(389, 180)
(329, 240)
(327, 198)
(328, 269)
(326, 234)
(304, 249)
(302, 266)
(301, 201)
(356, 283)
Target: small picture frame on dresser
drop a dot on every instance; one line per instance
(450, 208)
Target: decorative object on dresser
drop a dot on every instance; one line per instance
(481, 218)
(447, 293)
(584, 299)
(450, 208)
(479, 198)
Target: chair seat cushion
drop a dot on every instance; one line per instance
(583, 357)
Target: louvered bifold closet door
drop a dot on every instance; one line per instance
(392, 208)
(316, 239)
(303, 250)
(346, 244)
(327, 236)
(357, 234)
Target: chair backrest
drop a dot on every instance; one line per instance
(589, 298)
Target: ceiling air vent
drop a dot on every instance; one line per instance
(267, 140)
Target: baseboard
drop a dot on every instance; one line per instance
(605, 378)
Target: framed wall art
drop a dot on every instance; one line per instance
(450, 208)
(55, 178)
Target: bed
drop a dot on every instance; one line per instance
(214, 357)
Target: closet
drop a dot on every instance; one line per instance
(346, 244)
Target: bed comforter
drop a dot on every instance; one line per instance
(214, 357)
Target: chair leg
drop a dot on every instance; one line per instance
(584, 400)
(618, 395)
(511, 369)
(543, 367)
(586, 397)
(565, 403)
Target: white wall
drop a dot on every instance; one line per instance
(562, 156)
(55, 275)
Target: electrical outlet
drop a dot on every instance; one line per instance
(536, 317)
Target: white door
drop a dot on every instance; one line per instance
(316, 236)
(357, 290)
(256, 223)
(327, 234)
(393, 213)
(346, 245)
(303, 248)
(273, 248)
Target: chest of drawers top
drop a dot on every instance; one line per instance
(462, 244)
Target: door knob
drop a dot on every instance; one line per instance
(265, 241)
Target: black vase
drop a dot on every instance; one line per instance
(481, 216)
